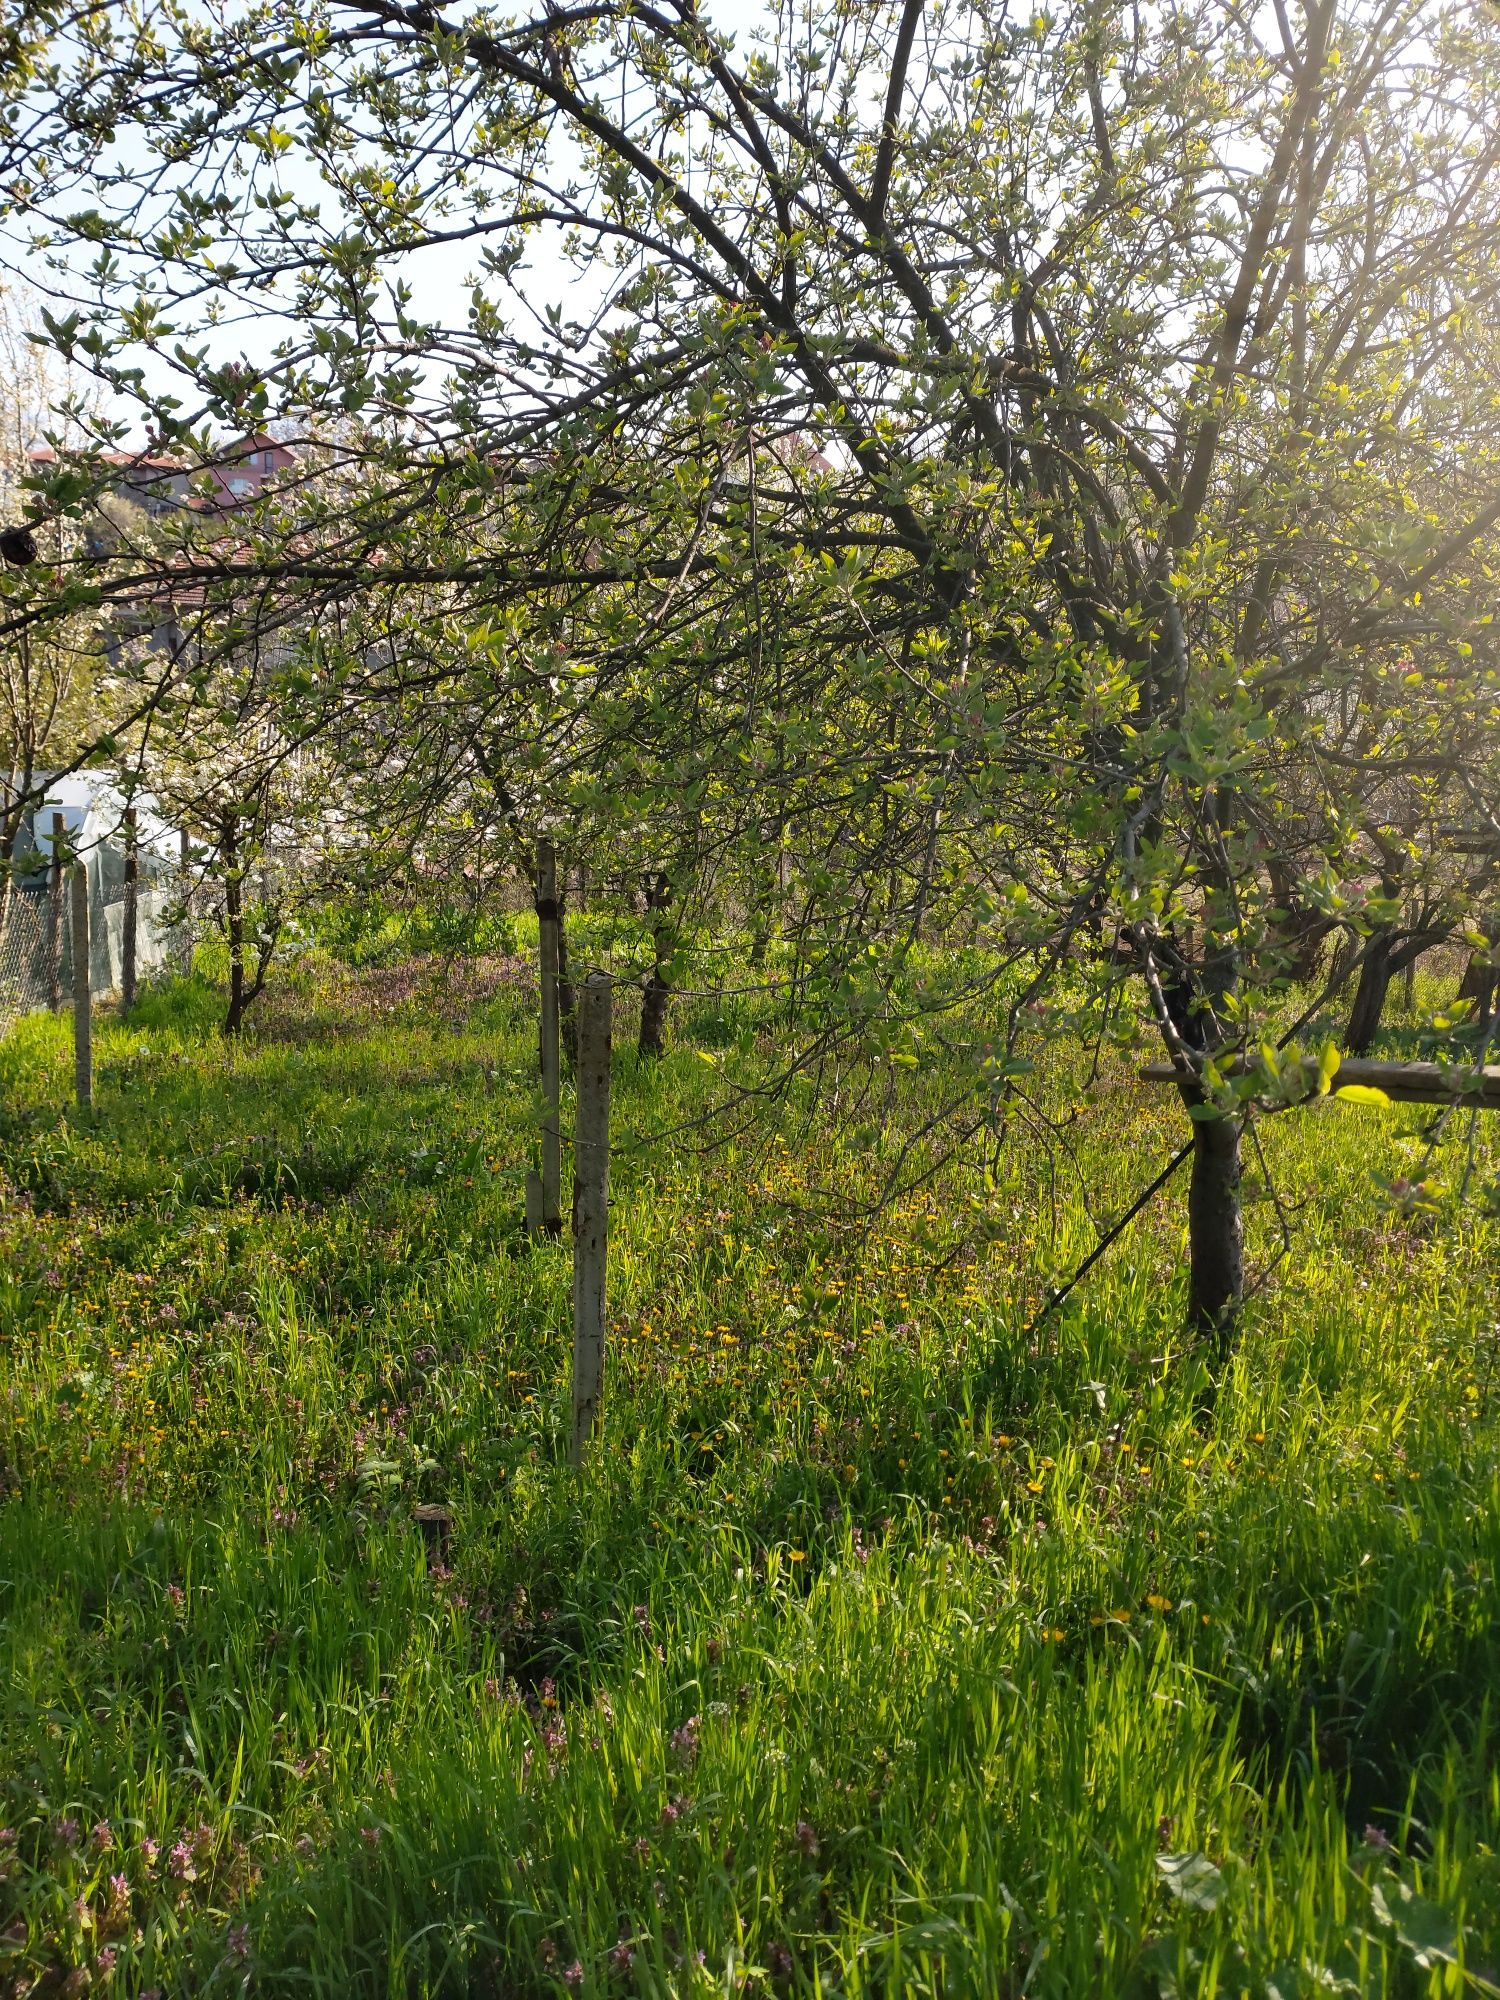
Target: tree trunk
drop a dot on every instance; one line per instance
(1478, 985)
(1343, 964)
(590, 1213)
(234, 927)
(83, 1024)
(55, 913)
(567, 999)
(185, 853)
(130, 920)
(1299, 933)
(547, 929)
(658, 989)
(1370, 995)
(1216, 1240)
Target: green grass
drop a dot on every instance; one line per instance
(883, 1649)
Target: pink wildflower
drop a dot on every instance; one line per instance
(685, 1741)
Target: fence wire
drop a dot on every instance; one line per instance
(26, 950)
(36, 953)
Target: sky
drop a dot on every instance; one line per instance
(439, 274)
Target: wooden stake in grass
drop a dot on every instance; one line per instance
(590, 1209)
(83, 1025)
(547, 917)
(130, 919)
(436, 1524)
(55, 913)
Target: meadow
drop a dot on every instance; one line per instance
(886, 1646)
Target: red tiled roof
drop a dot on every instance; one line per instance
(43, 454)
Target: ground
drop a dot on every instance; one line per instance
(886, 1647)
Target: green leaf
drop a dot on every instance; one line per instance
(1192, 1879)
(1167, 1960)
(1429, 1933)
(1363, 1093)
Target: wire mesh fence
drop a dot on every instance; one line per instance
(30, 928)
(36, 952)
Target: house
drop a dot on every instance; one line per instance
(243, 469)
(154, 482)
(161, 483)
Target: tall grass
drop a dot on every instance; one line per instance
(884, 1649)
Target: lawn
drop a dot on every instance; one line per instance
(886, 1647)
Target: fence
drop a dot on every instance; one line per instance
(25, 955)
(34, 940)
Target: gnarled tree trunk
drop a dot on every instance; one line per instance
(244, 989)
(658, 989)
(1389, 953)
(1478, 985)
(1375, 977)
(1216, 1236)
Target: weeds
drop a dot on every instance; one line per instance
(880, 1652)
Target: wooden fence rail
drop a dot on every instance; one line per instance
(1402, 1082)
